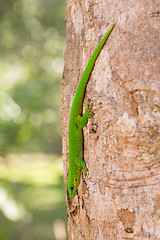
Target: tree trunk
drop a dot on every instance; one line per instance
(120, 196)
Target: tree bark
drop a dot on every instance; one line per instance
(120, 196)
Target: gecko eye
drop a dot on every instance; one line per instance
(76, 179)
(71, 188)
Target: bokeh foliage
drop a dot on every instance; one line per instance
(32, 197)
(31, 64)
(32, 194)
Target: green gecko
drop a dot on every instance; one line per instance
(78, 122)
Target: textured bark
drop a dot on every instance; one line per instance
(120, 196)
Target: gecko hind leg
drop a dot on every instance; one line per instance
(82, 121)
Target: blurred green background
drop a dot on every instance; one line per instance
(32, 193)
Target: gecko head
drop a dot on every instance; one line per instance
(72, 186)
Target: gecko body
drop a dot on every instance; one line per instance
(77, 122)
